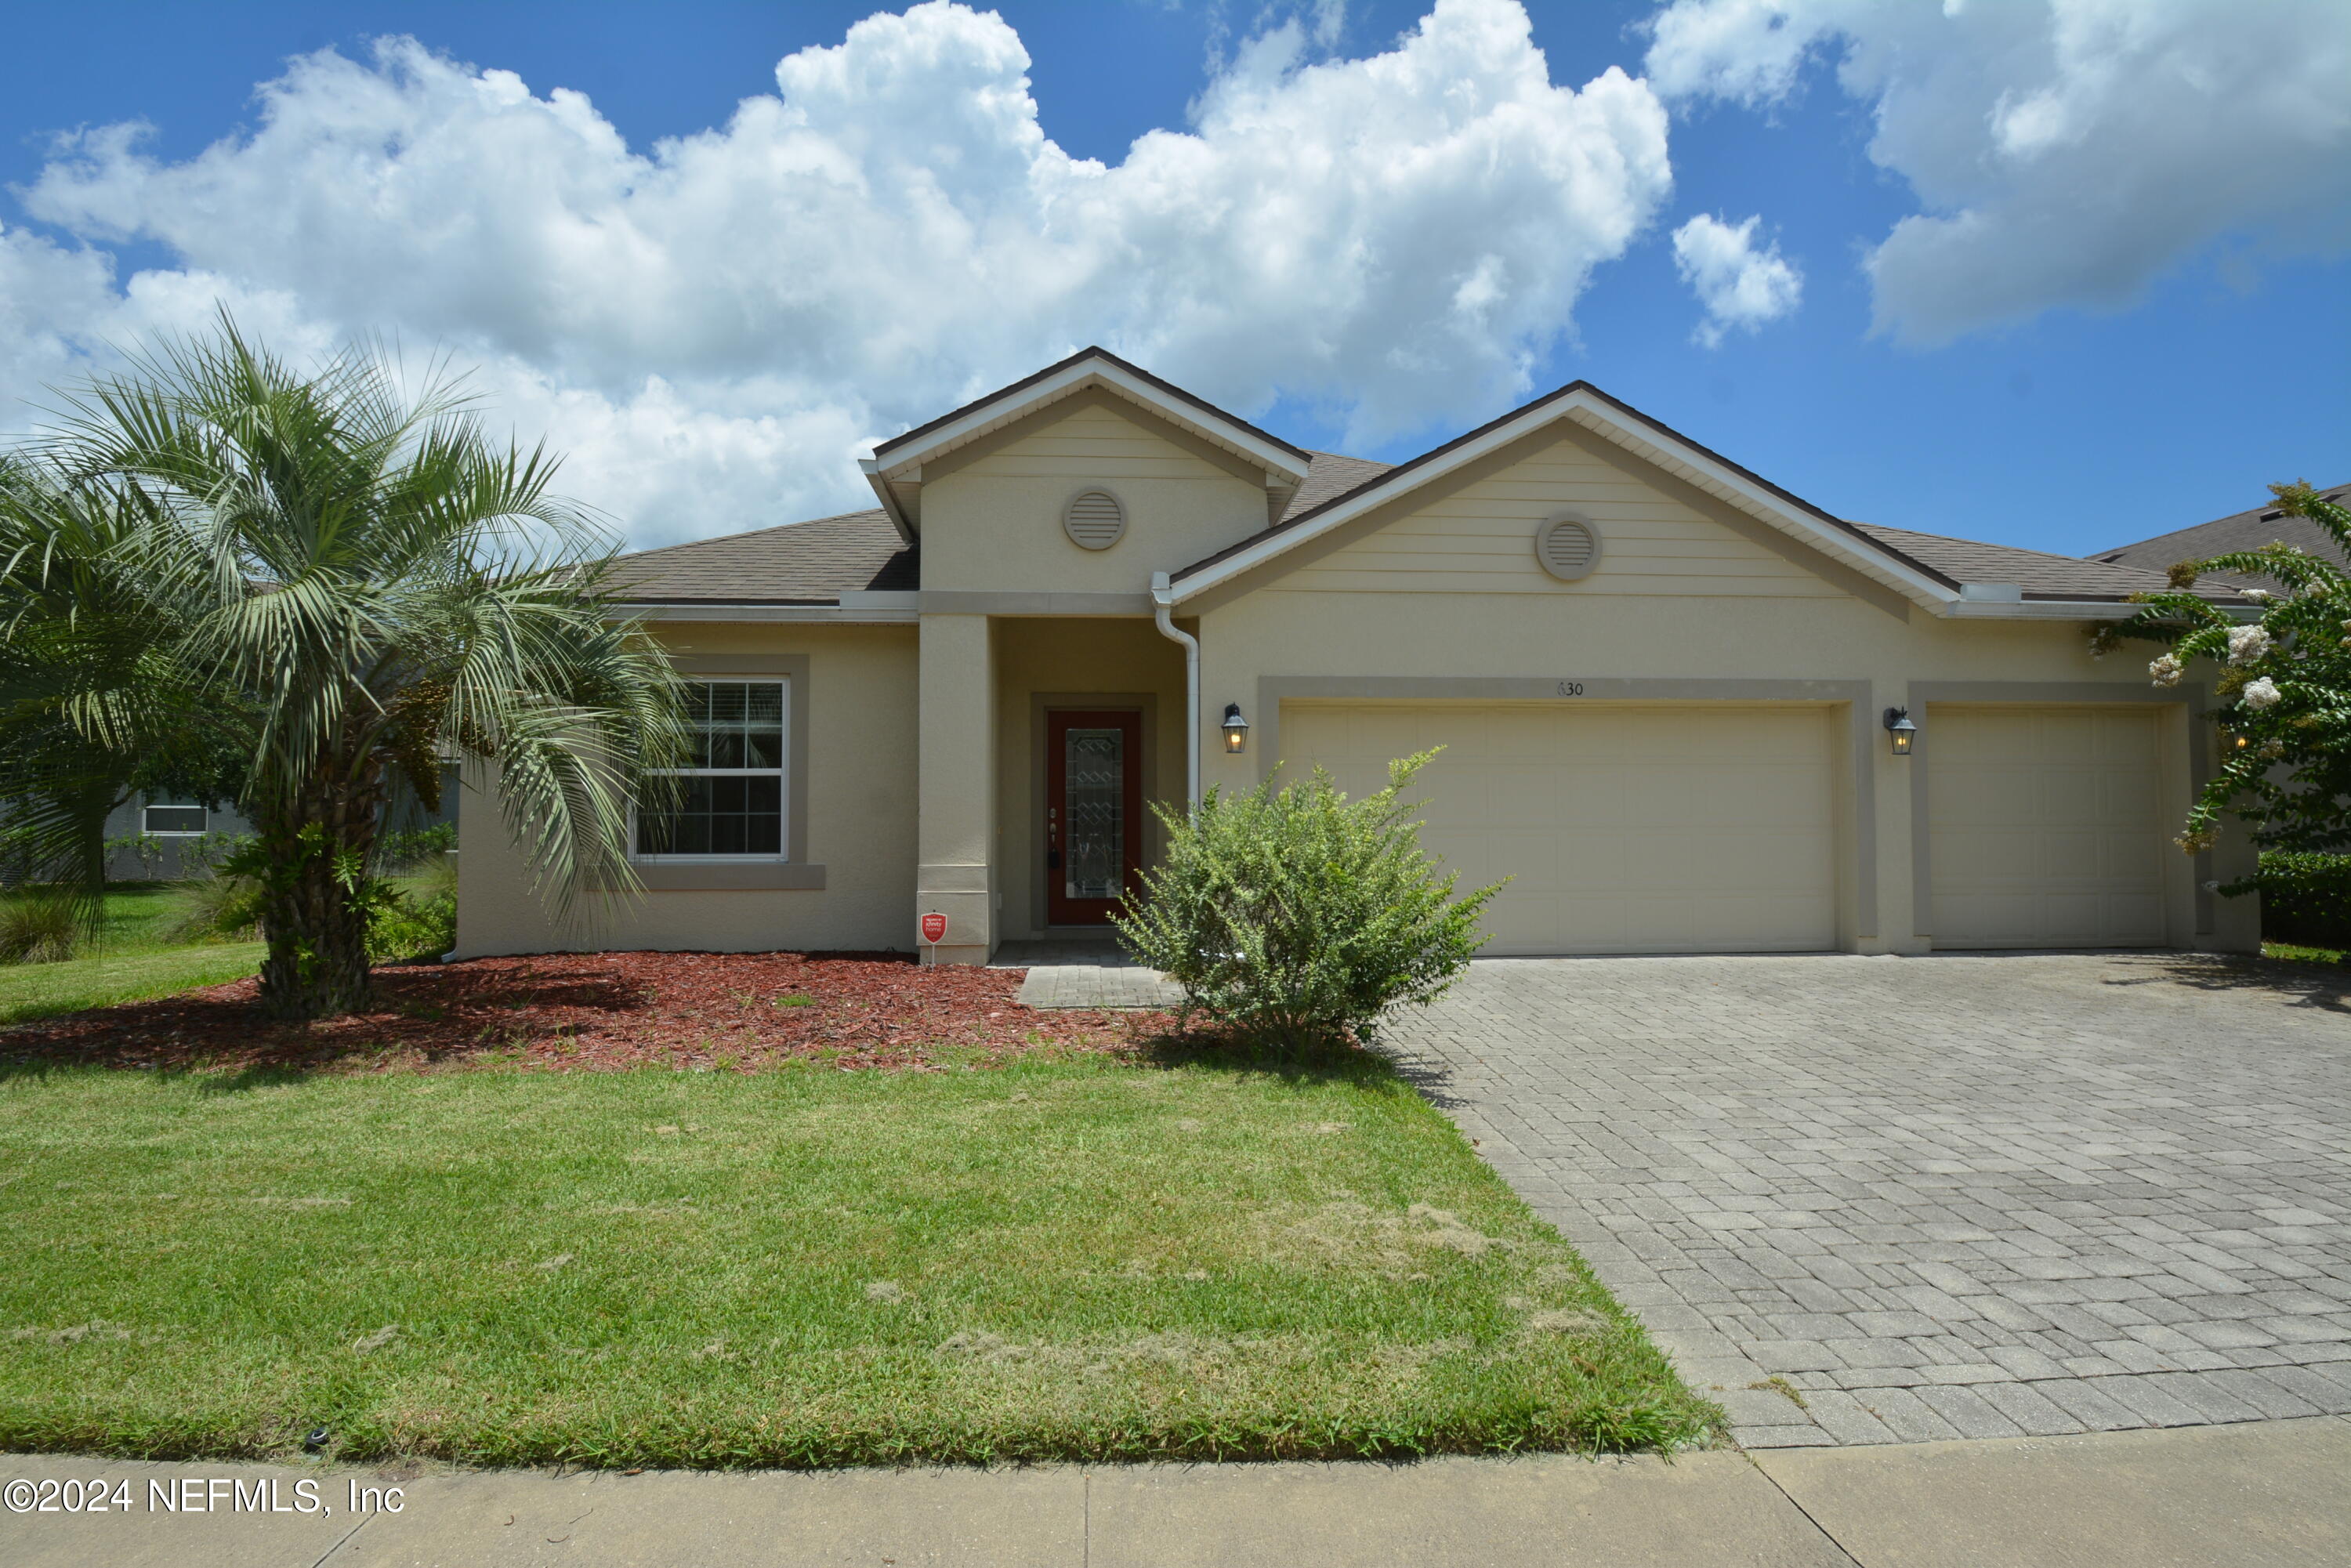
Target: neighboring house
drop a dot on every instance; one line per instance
(160, 837)
(1661, 682)
(2245, 531)
(164, 837)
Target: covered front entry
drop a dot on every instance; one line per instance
(1685, 827)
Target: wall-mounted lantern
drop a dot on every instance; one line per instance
(1236, 729)
(1900, 730)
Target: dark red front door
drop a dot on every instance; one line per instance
(1094, 813)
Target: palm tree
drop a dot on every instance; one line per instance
(350, 583)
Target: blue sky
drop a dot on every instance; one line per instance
(2152, 369)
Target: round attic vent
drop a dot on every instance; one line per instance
(1094, 520)
(1567, 548)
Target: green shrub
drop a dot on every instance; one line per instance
(38, 926)
(2305, 897)
(216, 908)
(413, 916)
(1299, 914)
(411, 922)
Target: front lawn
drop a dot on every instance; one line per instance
(1075, 1253)
(135, 961)
(30, 991)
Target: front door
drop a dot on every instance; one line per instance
(1094, 813)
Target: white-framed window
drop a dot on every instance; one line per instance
(730, 805)
(167, 819)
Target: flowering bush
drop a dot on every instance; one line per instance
(1300, 915)
(2284, 682)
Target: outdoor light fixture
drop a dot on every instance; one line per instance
(1236, 729)
(1904, 733)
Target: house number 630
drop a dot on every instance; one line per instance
(1571, 689)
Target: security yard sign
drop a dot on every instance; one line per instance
(935, 928)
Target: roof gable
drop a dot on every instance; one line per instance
(896, 469)
(1597, 412)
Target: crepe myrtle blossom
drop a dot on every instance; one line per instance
(2247, 644)
(2167, 670)
(2261, 692)
(2258, 595)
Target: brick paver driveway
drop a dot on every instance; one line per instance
(1939, 1197)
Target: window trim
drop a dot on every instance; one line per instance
(786, 774)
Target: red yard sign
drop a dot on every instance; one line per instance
(935, 928)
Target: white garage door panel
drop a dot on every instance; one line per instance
(2045, 827)
(1625, 830)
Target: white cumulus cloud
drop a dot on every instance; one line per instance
(1741, 287)
(2066, 151)
(715, 325)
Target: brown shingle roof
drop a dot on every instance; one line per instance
(2246, 530)
(2039, 575)
(1328, 477)
(798, 564)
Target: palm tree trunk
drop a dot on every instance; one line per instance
(315, 923)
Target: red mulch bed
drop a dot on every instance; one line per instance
(591, 1011)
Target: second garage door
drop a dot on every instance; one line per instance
(2045, 827)
(1690, 829)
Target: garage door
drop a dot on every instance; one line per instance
(1625, 830)
(2045, 827)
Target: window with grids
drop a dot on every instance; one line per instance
(731, 799)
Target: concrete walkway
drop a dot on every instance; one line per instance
(2264, 1496)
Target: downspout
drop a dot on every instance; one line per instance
(1163, 600)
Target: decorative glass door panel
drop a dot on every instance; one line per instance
(1093, 811)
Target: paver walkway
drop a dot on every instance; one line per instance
(1079, 973)
(1936, 1197)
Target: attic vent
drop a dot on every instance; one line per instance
(2273, 514)
(1095, 520)
(1567, 548)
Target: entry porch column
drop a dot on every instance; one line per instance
(955, 798)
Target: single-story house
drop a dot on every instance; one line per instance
(1665, 688)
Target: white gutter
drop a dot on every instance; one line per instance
(1163, 600)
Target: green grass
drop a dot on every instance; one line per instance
(2293, 954)
(806, 1267)
(133, 962)
(136, 915)
(29, 991)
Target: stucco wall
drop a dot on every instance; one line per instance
(860, 694)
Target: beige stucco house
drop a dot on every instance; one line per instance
(1662, 684)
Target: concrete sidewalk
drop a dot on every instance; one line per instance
(2262, 1495)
